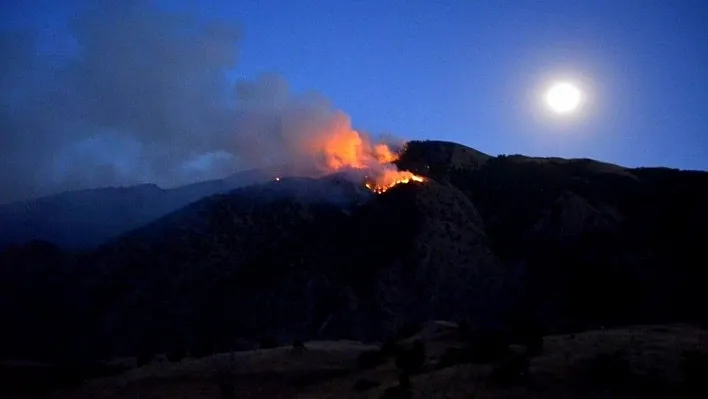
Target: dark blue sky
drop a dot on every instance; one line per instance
(473, 71)
(462, 70)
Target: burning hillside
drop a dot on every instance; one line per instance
(390, 178)
(348, 149)
(305, 136)
(341, 148)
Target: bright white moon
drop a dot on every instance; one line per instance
(563, 98)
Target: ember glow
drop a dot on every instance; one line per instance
(390, 179)
(343, 148)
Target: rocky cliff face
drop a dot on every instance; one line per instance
(454, 274)
(571, 217)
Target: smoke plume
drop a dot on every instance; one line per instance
(142, 96)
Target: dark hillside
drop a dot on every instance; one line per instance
(234, 267)
(567, 244)
(623, 244)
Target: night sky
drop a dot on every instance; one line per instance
(97, 93)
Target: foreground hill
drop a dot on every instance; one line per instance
(493, 242)
(640, 361)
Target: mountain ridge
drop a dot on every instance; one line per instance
(84, 219)
(484, 240)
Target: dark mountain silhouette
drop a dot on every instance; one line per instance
(488, 241)
(87, 218)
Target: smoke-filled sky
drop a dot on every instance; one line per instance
(98, 93)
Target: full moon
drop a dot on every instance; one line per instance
(563, 97)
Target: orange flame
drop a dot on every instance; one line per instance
(340, 147)
(390, 178)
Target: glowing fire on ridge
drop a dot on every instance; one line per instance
(342, 147)
(390, 179)
(331, 145)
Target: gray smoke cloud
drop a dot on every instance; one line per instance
(144, 98)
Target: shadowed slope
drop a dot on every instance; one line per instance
(491, 240)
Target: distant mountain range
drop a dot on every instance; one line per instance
(571, 244)
(87, 218)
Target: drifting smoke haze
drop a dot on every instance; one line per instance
(304, 133)
(142, 96)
